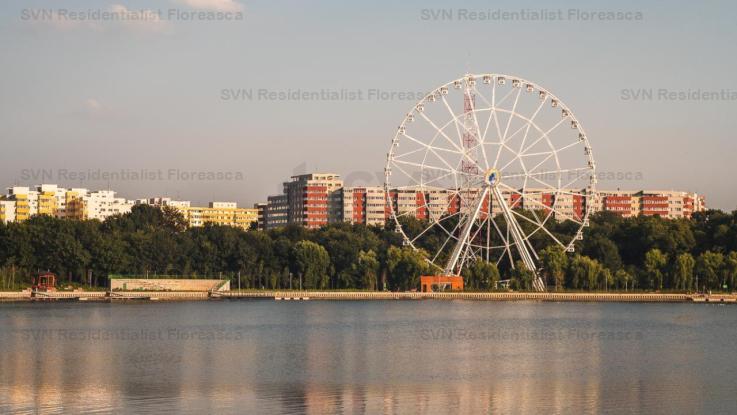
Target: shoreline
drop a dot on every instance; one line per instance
(276, 295)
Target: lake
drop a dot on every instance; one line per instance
(262, 356)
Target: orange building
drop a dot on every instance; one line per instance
(433, 283)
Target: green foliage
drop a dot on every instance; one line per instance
(312, 261)
(554, 262)
(682, 277)
(655, 262)
(522, 277)
(647, 253)
(405, 267)
(480, 275)
(623, 279)
(586, 273)
(365, 270)
(708, 267)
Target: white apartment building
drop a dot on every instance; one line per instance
(102, 204)
(7, 211)
(365, 205)
(164, 201)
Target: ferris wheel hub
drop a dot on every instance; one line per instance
(492, 177)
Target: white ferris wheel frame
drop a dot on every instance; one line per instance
(464, 250)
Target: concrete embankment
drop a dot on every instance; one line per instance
(361, 295)
(554, 297)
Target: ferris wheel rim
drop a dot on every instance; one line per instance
(494, 77)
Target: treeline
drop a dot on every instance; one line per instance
(646, 253)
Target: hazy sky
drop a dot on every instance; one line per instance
(101, 96)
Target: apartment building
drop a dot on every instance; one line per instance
(7, 211)
(83, 204)
(276, 214)
(216, 213)
(315, 200)
(310, 200)
(164, 201)
(364, 205)
(52, 200)
(260, 215)
(665, 203)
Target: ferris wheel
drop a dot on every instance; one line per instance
(490, 167)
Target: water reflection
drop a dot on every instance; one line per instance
(367, 357)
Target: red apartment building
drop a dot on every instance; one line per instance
(314, 200)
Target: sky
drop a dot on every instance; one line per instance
(176, 103)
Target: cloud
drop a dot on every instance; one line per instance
(92, 105)
(115, 17)
(143, 19)
(217, 5)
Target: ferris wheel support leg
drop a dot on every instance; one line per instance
(465, 233)
(521, 243)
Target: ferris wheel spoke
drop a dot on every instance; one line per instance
(540, 164)
(537, 110)
(494, 102)
(489, 219)
(409, 153)
(479, 142)
(458, 125)
(532, 174)
(511, 115)
(440, 251)
(451, 236)
(565, 185)
(514, 134)
(435, 222)
(544, 135)
(505, 240)
(499, 134)
(521, 152)
(509, 245)
(566, 147)
(441, 132)
(526, 198)
(408, 211)
(432, 150)
(541, 222)
(411, 177)
(454, 119)
(411, 163)
(482, 139)
(541, 153)
(543, 228)
(527, 132)
(437, 179)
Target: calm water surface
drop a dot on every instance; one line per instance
(368, 357)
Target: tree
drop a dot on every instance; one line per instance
(481, 275)
(730, 265)
(522, 277)
(406, 265)
(604, 250)
(605, 278)
(683, 269)
(585, 272)
(623, 278)
(366, 270)
(707, 269)
(312, 262)
(576, 272)
(655, 262)
(554, 263)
